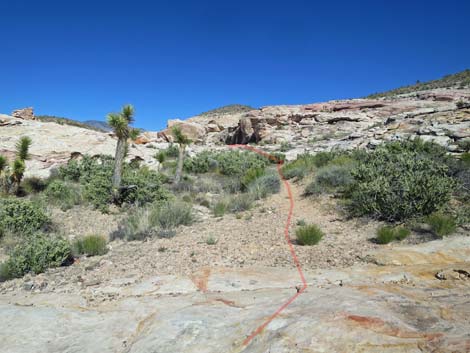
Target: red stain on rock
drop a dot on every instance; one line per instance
(380, 326)
(201, 278)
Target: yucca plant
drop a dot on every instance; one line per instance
(120, 124)
(182, 140)
(13, 174)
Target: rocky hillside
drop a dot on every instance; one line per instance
(441, 115)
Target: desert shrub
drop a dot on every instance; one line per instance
(156, 219)
(172, 214)
(387, 234)
(309, 234)
(321, 159)
(140, 185)
(441, 224)
(263, 186)
(334, 176)
(90, 245)
(395, 183)
(465, 159)
(146, 186)
(251, 175)
(241, 202)
(299, 168)
(226, 162)
(201, 163)
(313, 188)
(220, 207)
(401, 233)
(207, 184)
(136, 226)
(21, 216)
(63, 194)
(277, 157)
(171, 151)
(232, 185)
(464, 144)
(71, 170)
(33, 185)
(35, 255)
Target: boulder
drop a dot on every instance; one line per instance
(194, 131)
(242, 134)
(25, 113)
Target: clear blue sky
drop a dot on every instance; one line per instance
(82, 59)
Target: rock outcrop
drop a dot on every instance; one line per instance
(25, 113)
(194, 131)
(415, 300)
(440, 115)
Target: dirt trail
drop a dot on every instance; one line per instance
(255, 239)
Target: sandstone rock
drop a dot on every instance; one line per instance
(213, 126)
(416, 301)
(25, 114)
(194, 131)
(242, 134)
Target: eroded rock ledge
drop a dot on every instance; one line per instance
(412, 302)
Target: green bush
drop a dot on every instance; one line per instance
(251, 175)
(90, 245)
(299, 168)
(157, 219)
(229, 163)
(334, 176)
(241, 202)
(395, 182)
(387, 234)
(313, 188)
(63, 194)
(464, 144)
(21, 216)
(141, 185)
(173, 214)
(33, 185)
(441, 224)
(401, 233)
(35, 255)
(220, 207)
(263, 186)
(309, 234)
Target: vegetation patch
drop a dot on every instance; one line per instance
(35, 255)
(400, 180)
(441, 224)
(90, 245)
(387, 234)
(310, 234)
(21, 217)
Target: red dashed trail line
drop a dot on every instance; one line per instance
(300, 290)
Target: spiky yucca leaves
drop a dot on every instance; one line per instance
(120, 124)
(3, 164)
(182, 140)
(22, 148)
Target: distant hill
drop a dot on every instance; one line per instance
(66, 121)
(228, 109)
(459, 80)
(103, 125)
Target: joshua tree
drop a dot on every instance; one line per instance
(120, 123)
(182, 141)
(12, 175)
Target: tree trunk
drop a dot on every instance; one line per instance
(118, 161)
(179, 167)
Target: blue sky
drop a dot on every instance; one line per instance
(83, 59)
